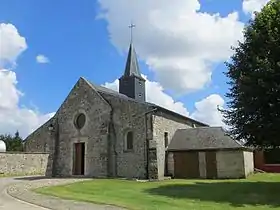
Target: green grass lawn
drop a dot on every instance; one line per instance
(261, 191)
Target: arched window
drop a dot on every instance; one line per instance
(129, 140)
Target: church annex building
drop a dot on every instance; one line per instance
(98, 132)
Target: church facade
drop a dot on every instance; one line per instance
(98, 132)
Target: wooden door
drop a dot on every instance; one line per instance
(211, 165)
(79, 158)
(186, 165)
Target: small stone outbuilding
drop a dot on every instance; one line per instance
(208, 152)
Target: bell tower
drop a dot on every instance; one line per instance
(132, 84)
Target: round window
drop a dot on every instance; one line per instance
(80, 121)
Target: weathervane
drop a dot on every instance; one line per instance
(131, 26)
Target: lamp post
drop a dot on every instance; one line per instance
(53, 129)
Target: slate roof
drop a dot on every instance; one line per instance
(202, 138)
(103, 90)
(132, 67)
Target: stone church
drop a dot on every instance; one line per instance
(98, 132)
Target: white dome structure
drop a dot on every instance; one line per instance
(2, 146)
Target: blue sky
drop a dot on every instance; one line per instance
(77, 43)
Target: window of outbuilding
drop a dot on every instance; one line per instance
(129, 140)
(80, 121)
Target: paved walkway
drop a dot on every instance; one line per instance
(9, 203)
(15, 194)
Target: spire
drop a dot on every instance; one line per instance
(132, 84)
(132, 67)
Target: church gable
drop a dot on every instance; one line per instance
(83, 99)
(81, 94)
(84, 95)
(83, 118)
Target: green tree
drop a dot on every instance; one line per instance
(13, 143)
(254, 79)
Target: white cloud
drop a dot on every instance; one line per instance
(42, 59)
(9, 95)
(251, 6)
(12, 116)
(11, 44)
(205, 110)
(176, 40)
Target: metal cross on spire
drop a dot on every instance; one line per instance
(131, 26)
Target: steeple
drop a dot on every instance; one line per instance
(132, 84)
(132, 67)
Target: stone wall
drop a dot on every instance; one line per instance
(163, 122)
(38, 141)
(83, 98)
(23, 163)
(129, 115)
(42, 141)
(108, 118)
(230, 164)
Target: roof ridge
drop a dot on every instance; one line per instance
(203, 127)
(101, 89)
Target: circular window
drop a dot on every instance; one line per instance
(80, 121)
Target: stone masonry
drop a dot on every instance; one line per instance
(108, 119)
(23, 163)
(128, 116)
(163, 122)
(103, 158)
(234, 164)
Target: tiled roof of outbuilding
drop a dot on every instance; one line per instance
(202, 138)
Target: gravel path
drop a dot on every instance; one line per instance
(19, 188)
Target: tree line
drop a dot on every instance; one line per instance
(14, 143)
